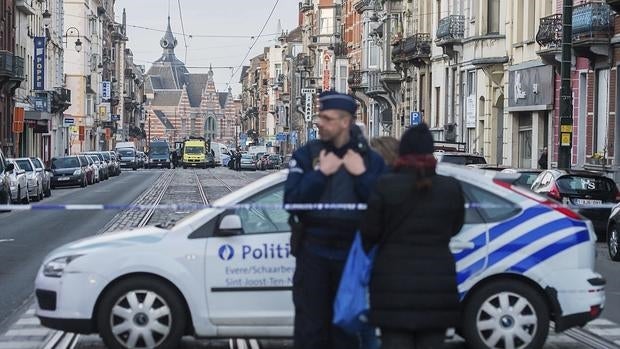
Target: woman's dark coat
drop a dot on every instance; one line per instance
(413, 285)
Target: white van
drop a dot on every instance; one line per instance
(221, 154)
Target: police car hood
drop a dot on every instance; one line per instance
(142, 236)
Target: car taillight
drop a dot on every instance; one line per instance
(617, 196)
(554, 193)
(542, 200)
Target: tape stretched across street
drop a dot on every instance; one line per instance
(197, 207)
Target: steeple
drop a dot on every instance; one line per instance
(168, 42)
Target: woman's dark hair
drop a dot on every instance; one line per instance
(416, 152)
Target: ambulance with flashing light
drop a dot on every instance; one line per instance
(522, 262)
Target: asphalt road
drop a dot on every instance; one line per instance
(611, 271)
(26, 237)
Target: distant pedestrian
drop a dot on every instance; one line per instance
(238, 160)
(387, 147)
(542, 160)
(339, 168)
(413, 213)
(175, 159)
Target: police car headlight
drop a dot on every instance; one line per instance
(77, 172)
(56, 267)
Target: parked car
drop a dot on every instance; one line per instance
(45, 175)
(459, 158)
(19, 184)
(589, 193)
(103, 165)
(116, 162)
(5, 188)
(248, 162)
(68, 171)
(526, 177)
(35, 179)
(90, 172)
(112, 170)
(613, 234)
(521, 262)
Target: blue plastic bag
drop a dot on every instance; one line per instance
(351, 305)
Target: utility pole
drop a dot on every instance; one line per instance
(566, 95)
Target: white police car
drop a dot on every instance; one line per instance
(521, 262)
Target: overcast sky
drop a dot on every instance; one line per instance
(205, 17)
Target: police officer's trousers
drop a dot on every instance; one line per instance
(315, 284)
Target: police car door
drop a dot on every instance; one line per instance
(250, 270)
(470, 245)
(495, 216)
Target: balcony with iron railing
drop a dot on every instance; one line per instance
(592, 29)
(549, 37)
(450, 30)
(6, 64)
(374, 83)
(363, 5)
(306, 5)
(415, 49)
(355, 79)
(18, 69)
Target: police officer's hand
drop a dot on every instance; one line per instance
(329, 163)
(354, 163)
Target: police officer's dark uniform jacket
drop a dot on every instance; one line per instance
(327, 236)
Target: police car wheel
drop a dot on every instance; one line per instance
(141, 312)
(613, 244)
(506, 314)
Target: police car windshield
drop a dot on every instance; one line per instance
(71, 162)
(194, 150)
(24, 164)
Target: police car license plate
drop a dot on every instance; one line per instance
(63, 178)
(588, 202)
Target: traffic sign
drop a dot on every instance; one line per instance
(414, 118)
(67, 121)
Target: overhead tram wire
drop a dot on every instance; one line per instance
(183, 30)
(254, 43)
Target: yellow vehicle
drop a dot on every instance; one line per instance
(194, 153)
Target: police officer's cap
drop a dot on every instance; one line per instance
(340, 101)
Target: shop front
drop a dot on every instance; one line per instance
(530, 103)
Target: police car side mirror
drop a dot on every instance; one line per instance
(230, 225)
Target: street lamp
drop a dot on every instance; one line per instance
(73, 32)
(47, 18)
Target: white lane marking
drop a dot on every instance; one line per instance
(6, 240)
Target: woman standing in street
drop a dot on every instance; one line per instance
(412, 215)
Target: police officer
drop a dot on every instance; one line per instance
(338, 168)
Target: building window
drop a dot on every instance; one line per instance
(437, 106)
(278, 69)
(341, 85)
(602, 111)
(493, 15)
(471, 83)
(531, 20)
(525, 140)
